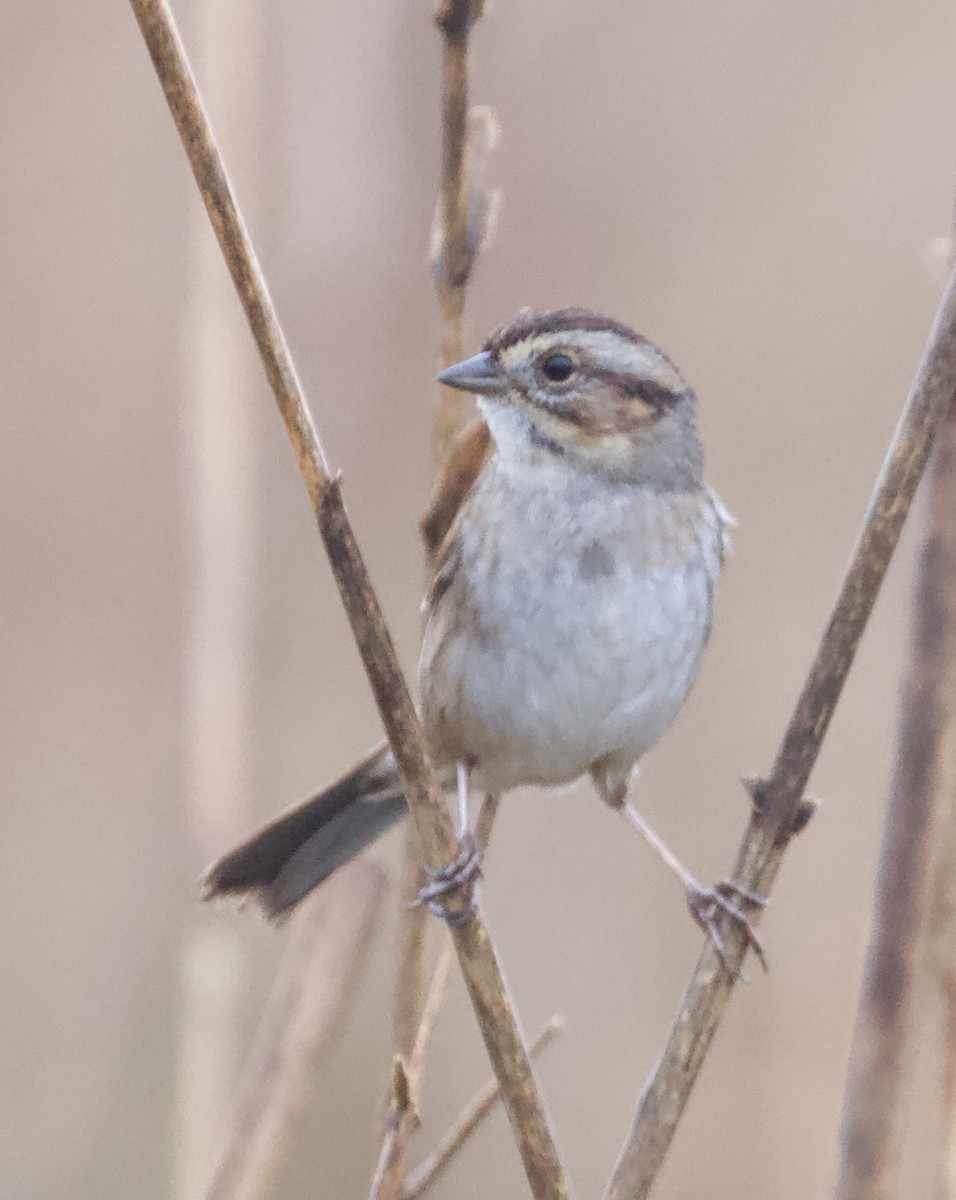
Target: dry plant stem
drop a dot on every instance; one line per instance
(447, 422)
(486, 820)
(943, 916)
(433, 1167)
(665, 1094)
(330, 936)
(408, 1074)
(454, 19)
(476, 954)
(873, 1105)
(944, 945)
(430, 1011)
(410, 948)
(409, 1069)
(219, 480)
(941, 517)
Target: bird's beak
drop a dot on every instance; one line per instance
(479, 374)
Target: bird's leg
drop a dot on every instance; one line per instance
(705, 903)
(464, 872)
(464, 820)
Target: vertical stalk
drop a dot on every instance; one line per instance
(219, 467)
(454, 19)
(454, 259)
(942, 932)
(874, 1104)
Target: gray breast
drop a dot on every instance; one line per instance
(572, 630)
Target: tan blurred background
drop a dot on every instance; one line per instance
(752, 184)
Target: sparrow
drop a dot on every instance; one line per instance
(577, 549)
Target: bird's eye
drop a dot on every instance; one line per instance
(558, 367)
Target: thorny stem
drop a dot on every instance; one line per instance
(482, 974)
(778, 801)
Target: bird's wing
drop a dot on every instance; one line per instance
(469, 452)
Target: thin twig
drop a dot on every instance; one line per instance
(410, 948)
(482, 974)
(452, 258)
(454, 19)
(477, 1109)
(778, 799)
(449, 245)
(486, 819)
(430, 1011)
(330, 936)
(406, 1090)
(406, 1085)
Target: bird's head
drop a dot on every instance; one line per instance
(573, 383)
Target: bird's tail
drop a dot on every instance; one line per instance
(291, 855)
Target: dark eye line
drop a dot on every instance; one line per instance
(638, 387)
(653, 394)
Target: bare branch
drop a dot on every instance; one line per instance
(433, 1003)
(439, 844)
(330, 936)
(466, 148)
(403, 1118)
(410, 949)
(429, 1171)
(406, 1089)
(466, 208)
(463, 222)
(778, 799)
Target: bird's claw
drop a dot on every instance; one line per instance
(706, 905)
(462, 874)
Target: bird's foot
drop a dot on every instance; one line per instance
(461, 875)
(706, 905)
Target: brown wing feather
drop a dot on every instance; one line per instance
(466, 459)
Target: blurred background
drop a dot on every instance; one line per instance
(755, 185)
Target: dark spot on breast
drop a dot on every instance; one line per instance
(596, 562)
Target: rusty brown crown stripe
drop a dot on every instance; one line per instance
(532, 324)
